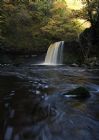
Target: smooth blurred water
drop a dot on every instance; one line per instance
(54, 54)
(33, 105)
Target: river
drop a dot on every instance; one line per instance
(33, 105)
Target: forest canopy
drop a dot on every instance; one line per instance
(37, 23)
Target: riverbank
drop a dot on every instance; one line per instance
(72, 56)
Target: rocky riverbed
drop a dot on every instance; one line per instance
(34, 105)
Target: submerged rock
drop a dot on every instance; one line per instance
(79, 92)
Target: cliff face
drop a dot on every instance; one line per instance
(86, 49)
(89, 42)
(72, 53)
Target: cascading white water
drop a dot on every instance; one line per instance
(54, 54)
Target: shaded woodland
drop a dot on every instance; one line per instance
(32, 25)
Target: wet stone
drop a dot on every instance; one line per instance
(46, 86)
(38, 92)
(12, 93)
(80, 93)
(30, 81)
(35, 82)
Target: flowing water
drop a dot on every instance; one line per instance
(54, 54)
(33, 105)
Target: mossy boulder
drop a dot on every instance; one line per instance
(79, 92)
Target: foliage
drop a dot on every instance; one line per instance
(89, 39)
(61, 25)
(35, 24)
(91, 10)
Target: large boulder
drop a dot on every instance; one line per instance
(80, 93)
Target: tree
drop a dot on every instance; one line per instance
(91, 12)
(91, 9)
(89, 39)
(36, 23)
(2, 21)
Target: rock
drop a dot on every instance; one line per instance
(74, 65)
(79, 92)
(38, 92)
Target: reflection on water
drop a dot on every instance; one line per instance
(32, 105)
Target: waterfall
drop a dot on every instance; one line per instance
(54, 54)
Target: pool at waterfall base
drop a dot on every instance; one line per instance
(49, 100)
(33, 105)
